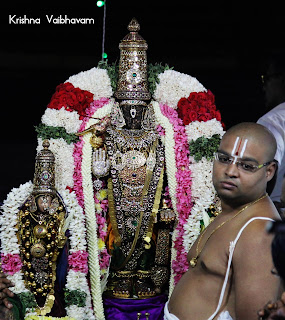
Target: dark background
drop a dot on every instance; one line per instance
(222, 44)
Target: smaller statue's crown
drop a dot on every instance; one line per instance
(44, 177)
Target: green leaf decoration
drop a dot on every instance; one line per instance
(75, 297)
(204, 147)
(112, 70)
(49, 132)
(27, 299)
(153, 70)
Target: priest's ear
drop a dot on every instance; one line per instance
(271, 176)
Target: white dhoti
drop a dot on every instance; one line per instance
(169, 316)
(225, 316)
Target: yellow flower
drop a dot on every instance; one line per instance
(102, 194)
(101, 244)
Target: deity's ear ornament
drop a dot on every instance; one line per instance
(148, 122)
(117, 117)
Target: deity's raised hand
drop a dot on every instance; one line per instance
(100, 165)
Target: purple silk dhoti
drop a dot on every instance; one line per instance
(128, 309)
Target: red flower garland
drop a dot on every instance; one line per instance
(71, 98)
(199, 106)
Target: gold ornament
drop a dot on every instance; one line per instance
(194, 260)
(40, 231)
(38, 250)
(147, 239)
(96, 141)
(47, 306)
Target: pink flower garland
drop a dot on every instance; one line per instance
(77, 261)
(11, 263)
(77, 153)
(104, 257)
(183, 190)
(160, 130)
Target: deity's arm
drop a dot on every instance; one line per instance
(165, 218)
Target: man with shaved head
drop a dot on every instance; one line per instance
(229, 276)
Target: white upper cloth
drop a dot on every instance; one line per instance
(225, 315)
(274, 120)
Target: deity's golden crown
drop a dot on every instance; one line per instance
(132, 83)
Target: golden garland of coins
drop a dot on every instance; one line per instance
(40, 236)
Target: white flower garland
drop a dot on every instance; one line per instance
(76, 225)
(203, 195)
(62, 118)
(174, 85)
(76, 280)
(169, 152)
(197, 129)
(9, 244)
(8, 232)
(8, 236)
(203, 192)
(64, 163)
(95, 80)
(89, 206)
(171, 173)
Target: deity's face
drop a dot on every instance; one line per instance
(233, 183)
(44, 202)
(133, 116)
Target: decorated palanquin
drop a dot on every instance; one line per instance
(122, 189)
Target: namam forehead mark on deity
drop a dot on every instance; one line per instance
(239, 148)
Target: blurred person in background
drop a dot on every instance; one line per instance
(274, 91)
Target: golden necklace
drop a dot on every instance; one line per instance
(194, 260)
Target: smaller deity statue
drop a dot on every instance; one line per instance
(41, 237)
